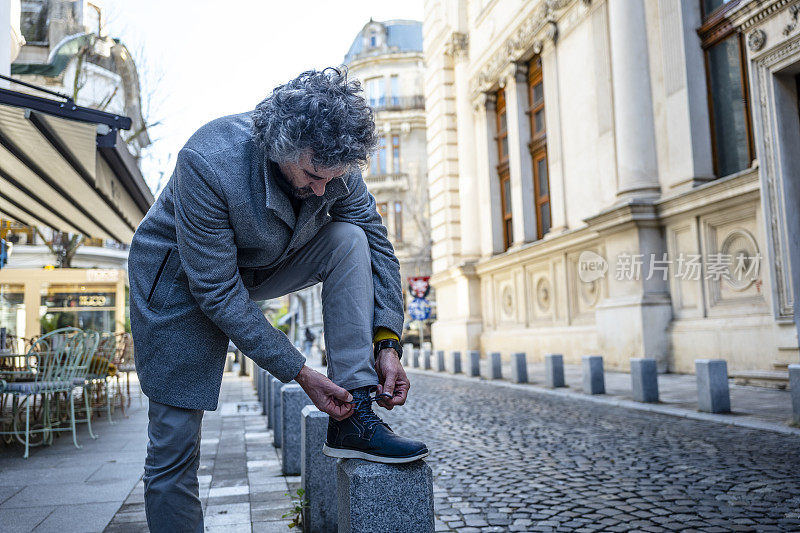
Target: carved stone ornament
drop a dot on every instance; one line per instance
(507, 300)
(794, 12)
(544, 293)
(745, 260)
(756, 40)
(526, 37)
(458, 45)
(590, 293)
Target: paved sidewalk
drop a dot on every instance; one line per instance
(753, 407)
(63, 489)
(241, 485)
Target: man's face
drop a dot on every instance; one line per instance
(307, 180)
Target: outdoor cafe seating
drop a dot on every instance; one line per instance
(59, 380)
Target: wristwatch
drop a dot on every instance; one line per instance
(389, 343)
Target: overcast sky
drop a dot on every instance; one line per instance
(218, 57)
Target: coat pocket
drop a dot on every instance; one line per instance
(164, 280)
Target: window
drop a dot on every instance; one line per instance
(538, 147)
(376, 92)
(728, 97)
(502, 170)
(80, 306)
(398, 221)
(383, 211)
(394, 88)
(396, 154)
(377, 164)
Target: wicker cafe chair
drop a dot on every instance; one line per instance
(48, 370)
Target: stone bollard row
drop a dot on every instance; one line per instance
(594, 381)
(405, 507)
(440, 361)
(426, 360)
(317, 473)
(713, 395)
(415, 357)
(554, 370)
(519, 367)
(495, 366)
(794, 387)
(474, 363)
(644, 380)
(275, 410)
(455, 362)
(293, 400)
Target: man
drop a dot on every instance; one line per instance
(262, 204)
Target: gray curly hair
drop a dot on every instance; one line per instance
(321, 112)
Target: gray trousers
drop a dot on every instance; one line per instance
(338, 256)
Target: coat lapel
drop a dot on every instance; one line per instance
(276, 200)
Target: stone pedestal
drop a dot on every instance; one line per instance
(268, 399)
(554, 370)
(794, 387)
(455, 362)
(376, 497)
(293, 399)
(317, 473)
(713, 395)
(644, 379)
(275, 409)
(519, 367)
(474, 363)
(440, 361)
(495, 366)
(426, 359)
(594, 381)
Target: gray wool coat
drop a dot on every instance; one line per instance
(219, 227)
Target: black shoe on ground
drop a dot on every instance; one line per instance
(364, 435)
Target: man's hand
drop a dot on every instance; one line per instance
(392, 377)
(327, 396)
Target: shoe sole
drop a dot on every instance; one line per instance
(343, 453)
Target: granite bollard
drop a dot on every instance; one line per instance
(495, 365)
(293, 399)
(713, 395)
(554, 370)
(519, 367)
(415, 353)
(474, 363)
(455, 362)
(440, 361)
(268, 398)
(259, 379)
(275, 410)
(406, 508)
(644, 380)
(594, 381)
(317, 473)
(426, 360)
(794, 387)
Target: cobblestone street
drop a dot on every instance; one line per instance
(508, 459)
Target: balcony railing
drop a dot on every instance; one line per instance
(387, 181)
(397, 103)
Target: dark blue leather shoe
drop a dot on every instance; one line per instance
(365, 436)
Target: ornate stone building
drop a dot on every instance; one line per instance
(386, 57)
(613, 177)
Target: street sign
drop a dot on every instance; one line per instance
(419, 309)
(419, 286)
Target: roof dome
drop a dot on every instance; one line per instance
(389, 37)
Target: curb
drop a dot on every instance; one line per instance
(617, 402)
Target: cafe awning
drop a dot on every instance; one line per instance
(66, 167)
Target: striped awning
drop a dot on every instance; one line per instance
(66, 167)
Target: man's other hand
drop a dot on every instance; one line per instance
(329, 397)
(392, 377)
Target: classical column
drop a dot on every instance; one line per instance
(552, 117)
(467, 172)
(520, 167)
(488, 185)
(637, 169)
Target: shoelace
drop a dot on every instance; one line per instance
(363, 407)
